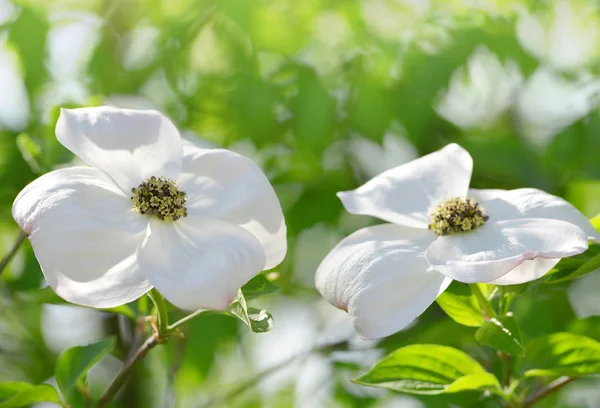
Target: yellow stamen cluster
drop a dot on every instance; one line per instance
(159, 197)
(458, 214)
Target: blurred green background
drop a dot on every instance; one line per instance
(323, 95)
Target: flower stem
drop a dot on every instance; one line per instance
(12, 252)
(122, 376)
(483, 302)
(187, 318)
(549, 389)
(162, 313)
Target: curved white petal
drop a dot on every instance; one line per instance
(494, 249)
(84, 233)
(225, 185)
(405, 194)
(528, 271)
(380, 276)
(199, 263)
(531, 203)
(128, 145)
(532, 36)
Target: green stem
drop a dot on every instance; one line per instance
(12, 252)
(187, 318)
(483, 302)
(162, 313)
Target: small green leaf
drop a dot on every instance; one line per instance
(562, 354)
(501, 334)
(258, 286)
(459, 303)
(576, 266)
(74, 363)
(20, 394)
(259, 321)
(429, 369)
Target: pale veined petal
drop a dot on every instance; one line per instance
(84, 232)
(494, 249)
(199, 263)
(531, 203)
(528, 271)
(380, 276)
(406, 194)
(225, 185)
(128, 145)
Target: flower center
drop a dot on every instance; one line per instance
(457, 214)
(159, 197)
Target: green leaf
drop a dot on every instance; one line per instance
(31, 151)
(562, 354)
(576, 266)
(259, 321)
(20, 394)
(429, 369)
(258, 286)
(47, 295)
(501, 334)
(459, 303)
(74, 363)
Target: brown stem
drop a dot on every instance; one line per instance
(549, 389)
(12, 252)
(123, 375)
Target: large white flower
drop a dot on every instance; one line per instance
(151, 210)
(567, 38)
(479, 96)
(385, 276)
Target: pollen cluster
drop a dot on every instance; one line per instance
(159, 197)
(458, 214)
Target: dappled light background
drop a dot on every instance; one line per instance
(323, 95)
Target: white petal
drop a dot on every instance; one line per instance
(528, 271)
(379, 275)
(494, 249)
(531, 36)
(225, 185)
(199, 263)
(129, 145)
(84, 233)
(531, 203)
(406, 194)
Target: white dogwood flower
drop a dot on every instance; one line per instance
(438, 229)
(567, 38)
(478, 97)
(151, 210)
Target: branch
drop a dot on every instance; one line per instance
(549, 389)
(122, 376)
(255, 379)
(12, 252)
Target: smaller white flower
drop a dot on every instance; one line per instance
(479, 96)
(567, 38)
(549, 103)
(152, 210)
(438, 229)
(583, 295)
(372, 158)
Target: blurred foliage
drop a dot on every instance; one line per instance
(318, 93)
